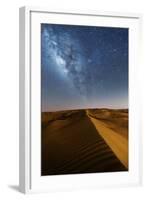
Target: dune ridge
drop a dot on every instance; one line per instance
(117, 142)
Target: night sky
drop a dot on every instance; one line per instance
(83, 67)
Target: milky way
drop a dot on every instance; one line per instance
(65, 54)
(83, 66)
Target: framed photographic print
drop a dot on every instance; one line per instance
(79, 100)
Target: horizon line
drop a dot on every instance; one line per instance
(109, 108)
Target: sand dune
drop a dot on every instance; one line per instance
(115, 138)
(72, 143)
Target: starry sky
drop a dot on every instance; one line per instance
(83, 67)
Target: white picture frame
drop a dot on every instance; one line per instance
(29, 160)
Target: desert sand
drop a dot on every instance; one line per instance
(84, 141)
(113, 127)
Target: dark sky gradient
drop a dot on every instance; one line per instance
(83, 67)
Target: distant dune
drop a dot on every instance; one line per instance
(84, 141)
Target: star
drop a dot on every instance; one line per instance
(89, 60)
(114, 50)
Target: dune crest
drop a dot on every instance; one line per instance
(117, 142)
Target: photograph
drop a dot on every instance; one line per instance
(84, 99)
